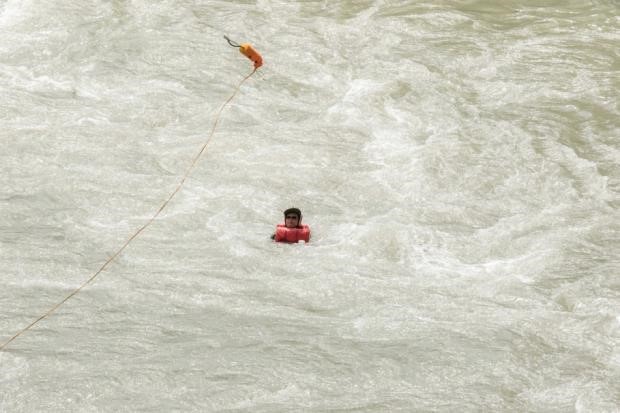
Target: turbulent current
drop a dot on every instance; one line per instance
(457, 161)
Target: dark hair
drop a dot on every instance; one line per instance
(295, 211)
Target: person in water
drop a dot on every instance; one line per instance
(292, 230)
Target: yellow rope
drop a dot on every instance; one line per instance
(143, 227)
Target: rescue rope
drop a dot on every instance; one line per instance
(230, 42)
(161, 208)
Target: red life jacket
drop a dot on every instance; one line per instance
(292, 235)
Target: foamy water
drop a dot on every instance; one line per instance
(456, 161)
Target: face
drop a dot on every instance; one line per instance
(291, 220)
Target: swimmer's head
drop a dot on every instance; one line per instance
(292, 217)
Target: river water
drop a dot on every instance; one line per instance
(457, 161)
